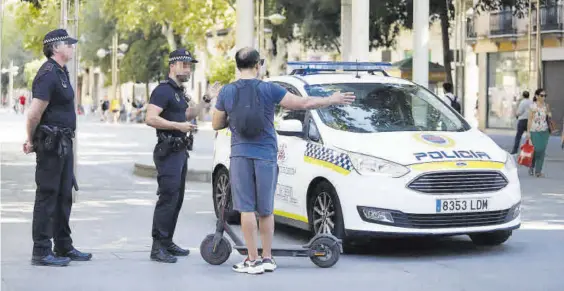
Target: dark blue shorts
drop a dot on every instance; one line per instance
(253, 183)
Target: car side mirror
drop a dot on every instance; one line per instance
(313, 133)
(290, 127)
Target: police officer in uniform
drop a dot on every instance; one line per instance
(50, 127)
(170, 113)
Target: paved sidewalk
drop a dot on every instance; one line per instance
(505, 139)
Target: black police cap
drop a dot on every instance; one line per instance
(181, 55)
(58, 35)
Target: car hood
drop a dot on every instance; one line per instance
(408, 148)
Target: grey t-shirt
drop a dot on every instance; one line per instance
(524, 109)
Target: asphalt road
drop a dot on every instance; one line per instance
(113, 214)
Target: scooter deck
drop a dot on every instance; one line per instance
(286, 251)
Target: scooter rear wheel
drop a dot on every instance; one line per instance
(325, 252)
(219, 255)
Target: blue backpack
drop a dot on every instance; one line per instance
(247, 114)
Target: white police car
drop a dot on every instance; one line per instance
(398, 161)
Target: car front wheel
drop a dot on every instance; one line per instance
(222, 200)
(325, 211)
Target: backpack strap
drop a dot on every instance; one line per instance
(236, 98)
(238, 86)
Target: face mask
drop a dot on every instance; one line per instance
(183, 78)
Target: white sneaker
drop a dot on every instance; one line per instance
(249, 267)
(269, 264)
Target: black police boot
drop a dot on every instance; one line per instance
(74, 255)
(160, 254)
(175, 250)
(50, 260)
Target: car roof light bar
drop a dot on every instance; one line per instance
(309, 68)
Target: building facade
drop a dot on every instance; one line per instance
(501, 60)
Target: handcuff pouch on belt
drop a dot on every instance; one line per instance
(53, 139)
(168, 143)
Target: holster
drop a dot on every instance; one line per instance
(168, 144)
(53, 139)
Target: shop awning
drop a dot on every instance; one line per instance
(404, 69)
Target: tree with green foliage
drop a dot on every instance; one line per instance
(146, 58)
(35, 21)
(13, 50)
(180, 21)
(96, 33)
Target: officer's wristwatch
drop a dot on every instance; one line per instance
(206, 98)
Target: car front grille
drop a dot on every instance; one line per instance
(450, 220)
(459, 182)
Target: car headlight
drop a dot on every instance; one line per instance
(510, 163)
(367, 165)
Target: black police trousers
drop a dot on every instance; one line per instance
(53, 201)
(171, 179)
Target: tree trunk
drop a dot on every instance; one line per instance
(168, 32)
(147, 91)
(446, 43)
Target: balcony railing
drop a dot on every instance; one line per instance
(551, 18)
(503, 23)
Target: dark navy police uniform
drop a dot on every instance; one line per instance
(171, 158)
(54, 173)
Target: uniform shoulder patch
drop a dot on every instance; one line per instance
(45, 69)
(48, 67)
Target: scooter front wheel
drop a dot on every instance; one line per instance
(215, 254)
(325, 252)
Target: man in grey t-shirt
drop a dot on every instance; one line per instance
(522, 116)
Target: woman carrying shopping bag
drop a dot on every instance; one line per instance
(538, 130)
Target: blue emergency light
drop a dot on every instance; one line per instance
(308, 68)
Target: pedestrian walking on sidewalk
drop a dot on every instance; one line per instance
(249, 104)
(522, 116)
(51, 122)
(538, 131)
(170, 114)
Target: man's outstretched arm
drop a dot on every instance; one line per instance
(293, 102)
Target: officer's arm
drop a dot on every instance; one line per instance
(34, 114)
(41, 90)
(154, 120)
(219, 119)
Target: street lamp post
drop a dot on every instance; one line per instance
(421, 42)
(539, 48)
(117, 52)
(275, 19)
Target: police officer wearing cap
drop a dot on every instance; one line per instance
(170, 113)
(50, 127)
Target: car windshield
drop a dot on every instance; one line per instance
(387, 107)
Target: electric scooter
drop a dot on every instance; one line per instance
(324, 250)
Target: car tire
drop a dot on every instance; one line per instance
(324, 200)
(491, 238)
(222, 189)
